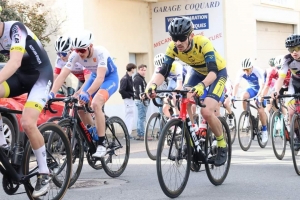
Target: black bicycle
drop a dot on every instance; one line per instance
(175, 154)
(249, 127)
(19, 165)
(116, 137)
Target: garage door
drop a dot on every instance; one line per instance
(271, 41)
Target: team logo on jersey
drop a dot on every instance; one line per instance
(84, 60)
(95, 59)
(16, 33)
(191, 59)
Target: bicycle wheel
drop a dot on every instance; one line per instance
(77, 149)
(259, 134)
(55, 119)
(295, 126)
(277, 129)
(245, 131)
(232, 127)
(153, 128)
(215, 174)
(59, 161)
(118, 147)
(173, 160)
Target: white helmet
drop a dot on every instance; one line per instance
(247, 63)
(63, 44)
(82, 40)
(278, 62)
(159, 59)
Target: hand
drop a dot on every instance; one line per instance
(84, 97)
(151, 91)
(233, 98)
(76, 94)
(260, 98)
(51, 95)
(198, 89)
(274, 95)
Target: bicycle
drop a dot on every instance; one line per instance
(278, 128)
(251, 126)
(294, 130)
(117, 156)
(181, 149)
(19, 165)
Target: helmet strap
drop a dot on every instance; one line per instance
(89, 52)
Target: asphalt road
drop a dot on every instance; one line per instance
(255, 174)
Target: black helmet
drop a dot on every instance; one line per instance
(292, 41)
(180, 26)
(271, 62)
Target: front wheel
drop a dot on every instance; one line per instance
(59, 162)
(153, 129)
(118, 147)
(215, 174)
(232, 126)
(295, 142)
(245, 131)
(259, 133)
(277, 129)
(173, 160)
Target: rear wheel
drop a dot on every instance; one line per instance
(232, 126)
(245, 130)
(59, 161)
(278, 135)
(118, 147)
(9, 131)
(259, 133)
(295, 142)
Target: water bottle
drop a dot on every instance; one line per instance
(93, 131)
(16, 157)
(203, 128)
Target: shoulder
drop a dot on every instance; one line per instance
(73, 57)
(201, 40)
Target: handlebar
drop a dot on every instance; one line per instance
(65, 100)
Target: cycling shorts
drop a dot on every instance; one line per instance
(37, 82)
(216, 89)
(252, 92)
(110, 83)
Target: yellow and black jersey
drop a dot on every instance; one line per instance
(202, 52)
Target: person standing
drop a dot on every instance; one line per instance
(139, 85)
(126, 91)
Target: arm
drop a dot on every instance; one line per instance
(123, 86)
(59, 81)
(98, 80)
(86, 77)
(237, 83)
(11, 66)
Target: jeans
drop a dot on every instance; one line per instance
(129, 114)
(141, 117)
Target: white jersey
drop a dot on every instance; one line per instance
(100, 58)
(255, 79)
(228, 87)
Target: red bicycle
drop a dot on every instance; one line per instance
(177, 150)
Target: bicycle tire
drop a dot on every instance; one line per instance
(114, 124)
(162, 150)
(209, 150)
(55, 119)
(279, 155)
(259, 133)
(50, 126)
(67, 126)
(153, 134)
(292, 136)
(233, 130)
(249, 129)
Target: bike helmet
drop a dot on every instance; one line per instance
(180, 26)
(271, 62)
(82, 40)
(279, 61)
(63, 44)
(159, 59)
(292, 41)
(247, 63)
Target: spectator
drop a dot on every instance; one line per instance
(139, 85)
(126, 91)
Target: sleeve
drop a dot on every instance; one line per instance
(85, 71)
(102, 57)
(284, 69)
(208, 52)
(73, 58)
(123, 85)
(18, 35)
(260, 76)
(58, 66)
(239, 77)
(179, 70)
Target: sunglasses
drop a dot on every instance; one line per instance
(80, 50)
(180, 38)
(292, 49)
(63, 54)
(246, 70)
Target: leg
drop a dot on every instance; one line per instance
(166, 108)
(129, 105)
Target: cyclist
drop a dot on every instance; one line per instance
(291, 61)
(272, 76)
(63, 46)
(175, 78)
(208, 70)
(102, 83)
(28, 70)
(255, 78)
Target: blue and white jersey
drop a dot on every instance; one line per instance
(255, 79)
